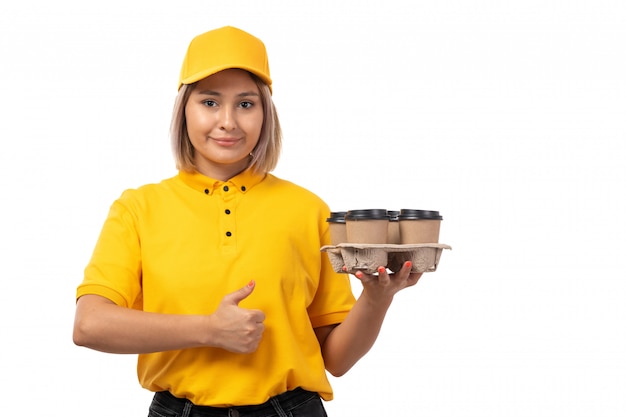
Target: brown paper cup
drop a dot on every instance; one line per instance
(419, 231)
(419, 226)
(367, 231)
(393, 230)
(337, 227)
(337, 233)
(367, 226)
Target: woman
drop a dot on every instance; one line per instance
(215, 276)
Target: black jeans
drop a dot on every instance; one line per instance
(296, 403)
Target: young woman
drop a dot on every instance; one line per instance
(215, 276)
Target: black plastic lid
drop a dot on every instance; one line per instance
(337, 217)
(411, 214)
(368, 214)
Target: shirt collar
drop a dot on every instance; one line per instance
(243, 181)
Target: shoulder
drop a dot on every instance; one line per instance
(139, 196)
(294, 192)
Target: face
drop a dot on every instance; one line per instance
(224, 117)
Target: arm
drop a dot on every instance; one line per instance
(344, 344)
(102, 325)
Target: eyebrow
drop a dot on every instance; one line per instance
(215, 93)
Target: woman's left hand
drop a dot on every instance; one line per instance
(344, 344)
(385, 285)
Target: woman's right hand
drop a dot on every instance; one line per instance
(102, 325)
(237, 329)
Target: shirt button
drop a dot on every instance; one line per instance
(229, 234)
(206, 191)
(243, 188)
(227, 211)
(225, 188)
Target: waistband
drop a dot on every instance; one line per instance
(287, 401)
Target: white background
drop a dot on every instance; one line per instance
(509, 117)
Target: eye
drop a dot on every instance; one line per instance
(209, 103)
(246, 104)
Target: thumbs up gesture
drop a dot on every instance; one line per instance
(237, 329)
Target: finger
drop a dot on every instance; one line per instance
(257, 316)
(241, 294)
(403, 276)
(383, 276)
(363, 277)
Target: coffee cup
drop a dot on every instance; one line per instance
(419, 226)
(337, 227)
(393, 231)
(369, 226)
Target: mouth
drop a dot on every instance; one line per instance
(226, 141)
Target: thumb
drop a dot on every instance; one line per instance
(239, 295)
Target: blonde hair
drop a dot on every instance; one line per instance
(265, 154)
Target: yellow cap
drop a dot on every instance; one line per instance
(221, 49)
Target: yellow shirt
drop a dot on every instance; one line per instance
(181, 245)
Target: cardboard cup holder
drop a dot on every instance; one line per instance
(368, 257)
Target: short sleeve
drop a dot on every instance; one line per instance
(114, 270)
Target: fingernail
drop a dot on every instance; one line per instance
(408, 264)
(359, 274)
(251, 283)
(381, 269)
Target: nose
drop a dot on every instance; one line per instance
(227, 119)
